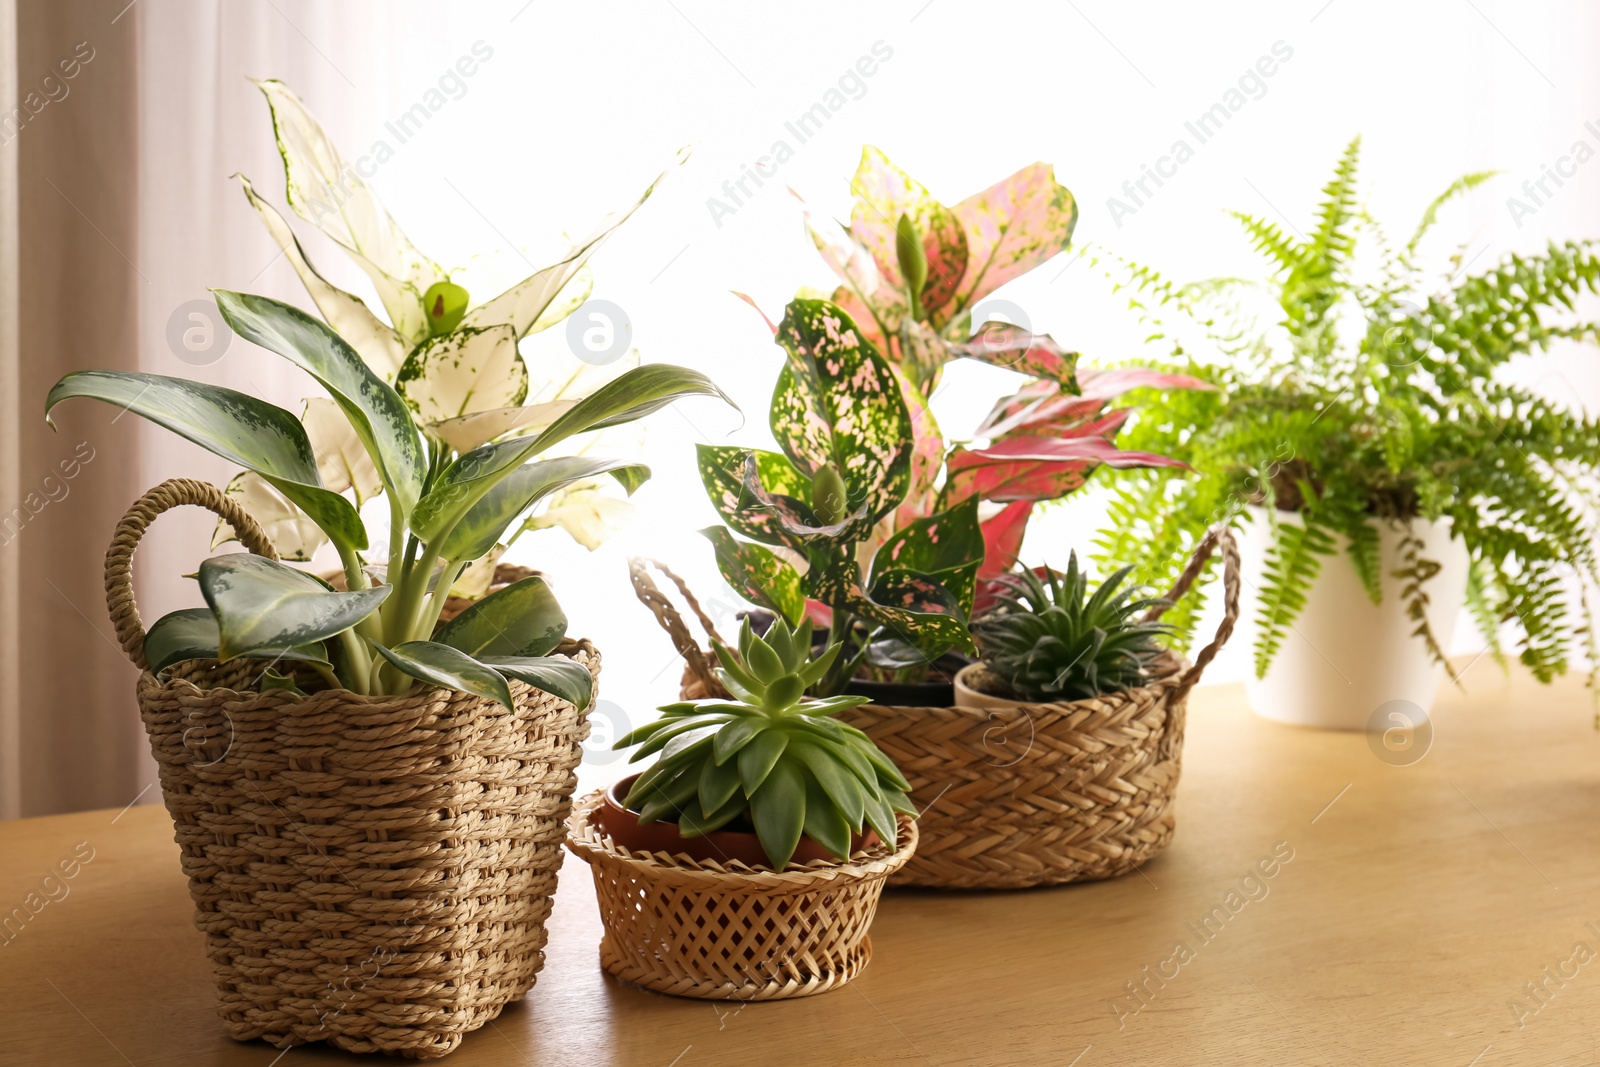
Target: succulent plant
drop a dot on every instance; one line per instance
(1050, 639)
(768, 757)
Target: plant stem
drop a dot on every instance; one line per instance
(359, 661)
(433, 606)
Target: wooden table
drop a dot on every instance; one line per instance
(1418, 903)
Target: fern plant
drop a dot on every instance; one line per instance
(1348, 388)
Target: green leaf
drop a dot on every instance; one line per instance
(262, 604)
(723, 471)
(837, 780)
(947, 546)
(374, 409)
(556, 675)
(467, 432)
(481, 527)
(719, 783)
(633, 395)
(380, 346)
(837, 402)
(757, 758)
(324, 190)
(439, 664)
(778, 810)
(463, 373)
(191, 633)
(523, 619)
(736, 735)
(918, 610)
(824, 822)
(758, 574)
(256, 435)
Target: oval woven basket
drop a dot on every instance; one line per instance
(373, 872)
(717, 931)
(1037, 794)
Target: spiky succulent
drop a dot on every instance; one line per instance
(1050, 639)
(767, 760)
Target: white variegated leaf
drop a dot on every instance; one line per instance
(462, 372)
(325, 191)
(342, 460)
(466, 432)
(382, 348)
(475, 581)
(568, 300)
(291, 531)
(588, 514)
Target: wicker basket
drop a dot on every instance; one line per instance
(374, 872)
(731, 932)
(1037, 794)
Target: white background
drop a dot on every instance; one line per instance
(580, 105)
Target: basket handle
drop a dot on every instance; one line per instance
(1219, 536)
(667, 615)
(175, 492)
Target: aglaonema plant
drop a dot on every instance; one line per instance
(455, 363)
(446, 509)
(912, 271)
(809, 511)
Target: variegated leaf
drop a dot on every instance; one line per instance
(438, 664)
(325, 191)
(1014, 348)
(1011, 228)
(838, 402)
(191, 633)
(260, 603)
(475, 581)
(590, 515)
(947, 547)
(291, 531)
(342, 460)
(466, 371)
(466, 432)
(722, 471)
(758, 574)
(1043, 410)
(883, 193)
(1038, 468)
(1002, 541)
(918, 610)
(376, 342)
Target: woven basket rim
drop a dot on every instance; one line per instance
(1175, 667)
(590, 844)
(572, 648)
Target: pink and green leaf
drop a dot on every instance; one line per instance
(1014, 348)
(758, 574)
(1011, 228)
(883, 193)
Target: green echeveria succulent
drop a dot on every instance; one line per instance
(768, 756)
(1051, 639)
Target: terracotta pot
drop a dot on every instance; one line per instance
(723, 846)
(971, 690)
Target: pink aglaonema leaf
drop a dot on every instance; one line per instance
(1011, 228)
(927, 454)
(1002, 542)
(853, 264)
(883, 193)
(1042, 404)
(1014, 348)
(748, 299)
(871, 321)
(1038, 468)
(1107, 384)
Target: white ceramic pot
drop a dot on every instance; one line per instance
(968, 696)
(1345, 656)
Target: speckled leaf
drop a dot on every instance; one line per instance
(883, 193)
(556, 675)
(290, 530)
(1003, 345)
(524, 305)
(917, 610)
(325, 191)
(464, 372)
(1011, 228)
(342, 459)
(875, 305)
(794, 520)
(1042, 409)
(838, 402)
(191, 633)
(377, 342)
(439, 664)
(523, 619)
(250, 432)
(947, 547)
(722, 471)
(260, 603)
(374, 409)
(758, 574)
(868, 320)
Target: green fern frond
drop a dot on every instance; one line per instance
(1292, 564)
(1331, 241)
(1461, 186)
(1364, 554)
(1270, 241)
(1483, 612)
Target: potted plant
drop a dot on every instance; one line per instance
(350, 780)
(746, 863)
(1382, 469)
(1047, 639)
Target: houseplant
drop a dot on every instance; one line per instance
(1047, 638)
(1375, 454)
(747, 861)
(349, 779)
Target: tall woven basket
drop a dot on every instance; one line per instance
(1035, 794)
(373, 872)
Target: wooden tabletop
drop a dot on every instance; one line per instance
(1433, 913)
